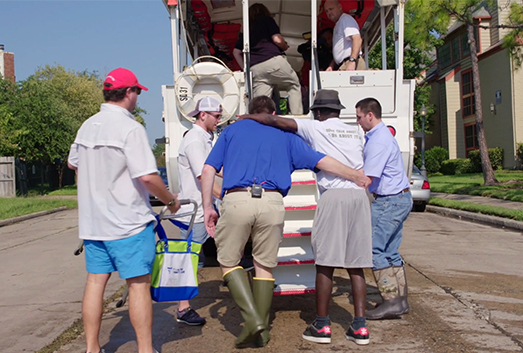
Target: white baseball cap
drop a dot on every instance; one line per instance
(206, 104)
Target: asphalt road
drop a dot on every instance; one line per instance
(465, 281)
(42, 281)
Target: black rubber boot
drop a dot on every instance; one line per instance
(240, 290)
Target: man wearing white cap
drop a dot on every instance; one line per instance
(193, 151)
(116, 168)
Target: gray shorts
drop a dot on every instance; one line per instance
(342, 230)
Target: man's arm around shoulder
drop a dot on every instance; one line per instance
(276, 121)
(333, 166)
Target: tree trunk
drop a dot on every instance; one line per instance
(488, 173)
(61, 168)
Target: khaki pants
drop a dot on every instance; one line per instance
(277, 72)
(243, 217)
(360, 65)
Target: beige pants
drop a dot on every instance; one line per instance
(243, 217)
(360, 65)
(277, 72)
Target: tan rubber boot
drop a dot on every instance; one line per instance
(240, 290)
(393, 304)
(401, 278)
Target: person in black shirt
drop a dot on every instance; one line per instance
(269, 66)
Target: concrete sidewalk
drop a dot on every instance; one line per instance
(42, 281)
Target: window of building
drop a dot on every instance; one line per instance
(465, 44)
(471, 138)
(444, 55)
(456, 56)
(467, 95)
(465, 49)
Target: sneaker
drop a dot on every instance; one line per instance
(361, 336)
(190, 317)
(312, 334)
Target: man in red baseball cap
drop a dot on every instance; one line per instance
(121, 78)
(116, 169)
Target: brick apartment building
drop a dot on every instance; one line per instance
(7, 64)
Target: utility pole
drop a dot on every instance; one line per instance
(423, 113)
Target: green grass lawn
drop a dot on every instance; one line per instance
(510, 185)
(483, 209)
(66, 190)
(19, 206)
(44, 189)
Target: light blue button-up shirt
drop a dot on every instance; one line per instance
(383, 161)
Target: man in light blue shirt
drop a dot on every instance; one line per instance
(392, 203)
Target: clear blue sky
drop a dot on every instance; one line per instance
(94, 36)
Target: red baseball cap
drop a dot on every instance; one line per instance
(121, 78)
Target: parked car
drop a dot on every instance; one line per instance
(162, 172)
(420, 189)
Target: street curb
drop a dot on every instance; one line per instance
(477, 217)
(13, 220)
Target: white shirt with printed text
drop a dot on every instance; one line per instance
(338, 140)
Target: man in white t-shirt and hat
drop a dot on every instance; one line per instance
(193, 151)
(342, 232)
(346, 40)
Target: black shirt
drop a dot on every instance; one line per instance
(262, 46)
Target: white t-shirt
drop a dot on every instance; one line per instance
(341, 37)
(111, 152)
(193, 151)
(338, 140)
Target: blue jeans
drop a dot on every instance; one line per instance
(388, 215)
(199, 235)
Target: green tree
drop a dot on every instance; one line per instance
(40, 116)
(415, 62)
(159, 154)
(8, 93)
(513, 40)
(45, 112)
(138, 115)
(430, 22)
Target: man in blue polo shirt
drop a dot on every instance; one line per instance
(257, 163)
(392, 203)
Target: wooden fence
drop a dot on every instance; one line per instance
(7, 177)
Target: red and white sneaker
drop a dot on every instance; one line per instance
(361, 336)
(314, 334)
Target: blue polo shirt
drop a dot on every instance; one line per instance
(251, 152)
(383, 161)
